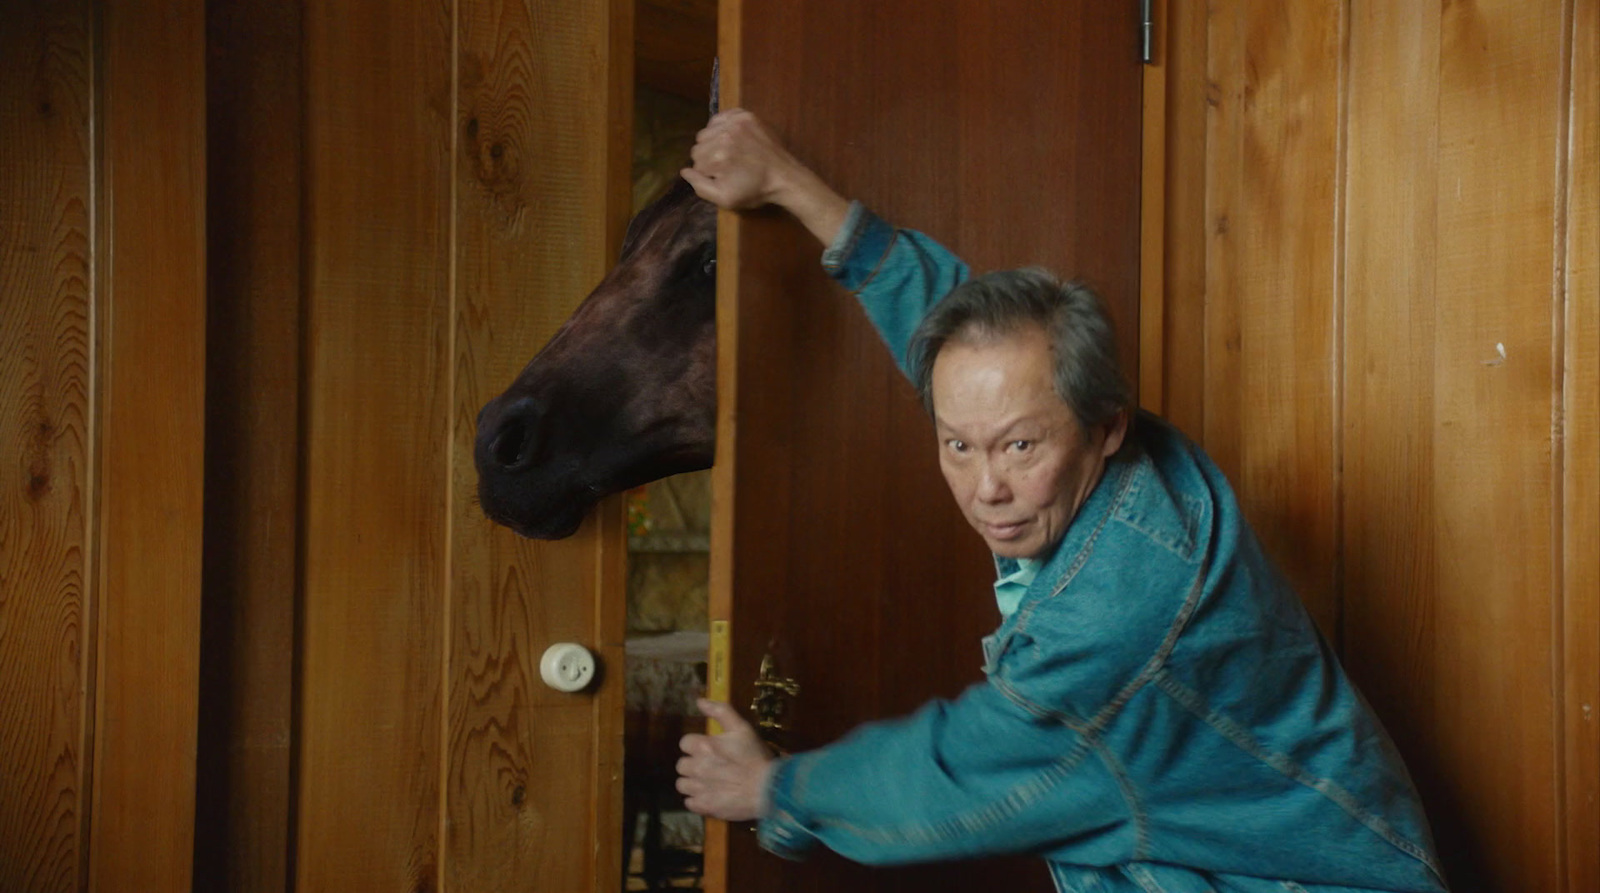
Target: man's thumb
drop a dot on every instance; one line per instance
(728, 717)
(703, 185)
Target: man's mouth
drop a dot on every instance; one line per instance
(1004, 530)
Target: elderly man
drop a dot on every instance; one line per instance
(1160, 713)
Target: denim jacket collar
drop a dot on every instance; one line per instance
(1070, 553)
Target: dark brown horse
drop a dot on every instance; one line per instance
(624, 394)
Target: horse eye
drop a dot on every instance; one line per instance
(709, 269)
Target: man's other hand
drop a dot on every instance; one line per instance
(725, 776)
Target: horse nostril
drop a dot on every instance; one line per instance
(509, 447)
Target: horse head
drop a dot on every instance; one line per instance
(624, 393)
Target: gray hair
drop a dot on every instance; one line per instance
(1087, 377)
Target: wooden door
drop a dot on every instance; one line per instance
(1009, 131)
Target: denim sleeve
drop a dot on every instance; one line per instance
(975, 776)
(897, 274)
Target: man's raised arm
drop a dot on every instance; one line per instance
(897, 274)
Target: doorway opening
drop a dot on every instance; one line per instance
(669, 521)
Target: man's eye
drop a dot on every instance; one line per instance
(1022, 446)
(959, 446)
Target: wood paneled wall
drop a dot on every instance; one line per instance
(408, 199)
(1364, 203)
(47, 359)
(102, 315)
(1379, 313)
(253, 240)
(403, 203)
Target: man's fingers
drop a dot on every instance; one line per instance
(702, 765)
(698, 806)
(696, 745)
(701, 183)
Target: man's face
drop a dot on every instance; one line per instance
(1016, 459)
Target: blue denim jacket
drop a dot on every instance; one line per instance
(1160, 713)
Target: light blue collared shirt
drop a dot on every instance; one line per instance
(1016, 575)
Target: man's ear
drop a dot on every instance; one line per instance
(1116, 432)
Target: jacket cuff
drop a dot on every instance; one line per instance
(782, 833)
(859, 248)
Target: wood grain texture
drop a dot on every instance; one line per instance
(1580, 485)
(836, 545)
(607, 817)
(673, 45)
(533, 776)
(1153, 218)
(151, 432)
(252, 444)
(46, 479)
(376, 450)
(722, 562)
(1183, 243)
(1391, 314)
(611, 565)
(1464, 617)
(1270, 293)
(1499, 73)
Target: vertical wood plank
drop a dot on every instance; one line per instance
(1448, 445)
(607, 821)
(533, 776)
(152, 355)
(1222, 434)
(252, 442)
(46, 638)
(377, 411)
(1183, 366)
(1499, 115)
(1580, 485)
(1273, 138)
(1153, 220)
(611, 572)
(1391, 541)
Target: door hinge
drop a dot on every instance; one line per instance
(1147, 32)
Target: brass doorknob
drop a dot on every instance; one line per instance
(770, 704)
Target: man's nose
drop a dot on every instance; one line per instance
(992, 484)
